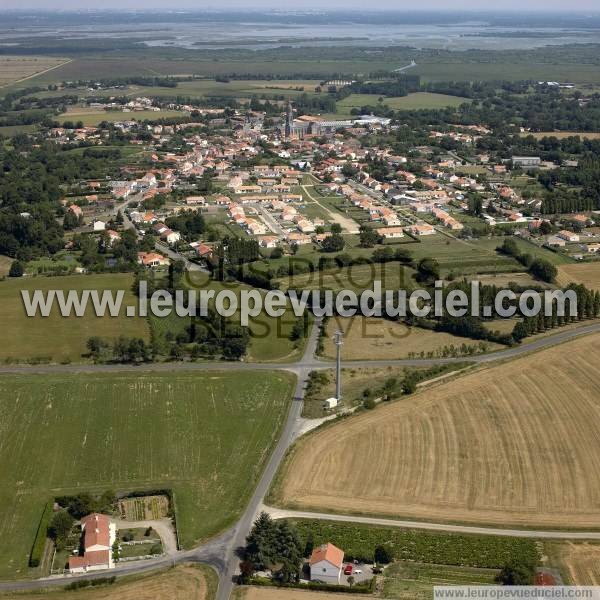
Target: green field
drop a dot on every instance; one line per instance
(55, 337)
(205, 436)
(269, 336)
(91, 118)
(415, 101)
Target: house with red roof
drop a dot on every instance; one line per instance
(326, 564)
(99, 535)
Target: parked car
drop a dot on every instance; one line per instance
(357, 571)
(348, 570)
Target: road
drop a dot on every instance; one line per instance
(221, 552)
(278, 513)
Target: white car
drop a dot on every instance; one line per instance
(357, 572)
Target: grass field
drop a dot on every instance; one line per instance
(184, 582)
(16, 68)
(373, 339)
(586, 273)
(515, 443)
(92, 117)
(54, 337)
(415, 581)
(205, 436)
(414, 101)
(270, 336)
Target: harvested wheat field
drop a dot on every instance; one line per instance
(586, 273)
(581, 562)
(257, 593)
(185, 582)
(374, 338)
(517, 443)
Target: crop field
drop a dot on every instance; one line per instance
(50, 337)
(92, 117)
(16, 68)
(373, 339)
(580, 562)
(183, 582)
(415, 581)
(586, 273)
(474, 551)
(414, 101)
(484, 71)
(474, 449)
(204, 436)
(144, 507)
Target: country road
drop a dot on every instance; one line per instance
(221, 552)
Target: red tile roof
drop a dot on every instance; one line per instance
(97, 531)
(328, 552)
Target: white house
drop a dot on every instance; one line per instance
(391, 232)
(326, 564)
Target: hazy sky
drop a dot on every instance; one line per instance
(521, 5)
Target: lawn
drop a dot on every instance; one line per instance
(416, 101)
(205, 436)
(586, 273)
(541, 409)
(184, 582)
(54, 337)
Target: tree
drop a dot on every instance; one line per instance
(16, 269)
(368, 237)
(60, 528)
(336, 228)
(545, 228)
(351, 580)
(428, 270)
(333, 243)
(517, 572)
(383, 555)
(543, 270)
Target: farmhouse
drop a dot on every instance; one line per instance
(422, 229)
(99, 534)
(326, 564)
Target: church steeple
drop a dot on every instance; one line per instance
(289, 119)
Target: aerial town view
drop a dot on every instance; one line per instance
(299, 302)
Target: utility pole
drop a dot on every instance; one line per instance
(338, 365)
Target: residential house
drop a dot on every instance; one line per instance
(99, 535)
(568, 236)
(326, 564)
(390, 233)
(152, 259)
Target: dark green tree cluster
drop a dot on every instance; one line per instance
(275, 545)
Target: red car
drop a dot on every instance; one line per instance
(348, 570)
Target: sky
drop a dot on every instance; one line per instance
(518, 5)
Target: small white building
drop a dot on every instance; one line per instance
(330, 403)
(99, 225)
(326, 564)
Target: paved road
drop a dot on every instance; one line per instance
(309, 361)
(221, 552)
